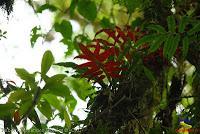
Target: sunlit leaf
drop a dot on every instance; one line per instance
(18, 95)
(46, 6)
(35, 34)
(6, 109)
(47, 61)
(45, 109)
(24, 75)
(67, 119)
(65, 28)
(52, 100)
(87, 9)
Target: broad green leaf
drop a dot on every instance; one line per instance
(105, 23)
(156, 43)
(87, 9)
(145, 39)
(67, 118)
(46, 6)
(185, 46)
(55, 78)
(25, 105)
(45, 109)
(47, 61)
(52, 100)
(71, 102)
(149, 74)
(35, 34)
(58, 89)
(157, 28)
(24, 75)
(18, 95)
(183, 23)
(65, 28)
(6, 109)
(174, 46)
(67, 64)
(195, 29)
(80, 86)
(171, 24)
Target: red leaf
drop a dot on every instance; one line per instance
(107, 53)
(85, 50)
(121, 34)
(97, 49)
(90, 71)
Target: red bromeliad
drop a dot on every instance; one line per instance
(104, 60)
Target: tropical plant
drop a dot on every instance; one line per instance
(140, 69)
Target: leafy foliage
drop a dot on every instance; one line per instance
(141, 60)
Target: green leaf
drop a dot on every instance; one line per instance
(6, 109)
(167, 45)
(45, 109)
(80, 86)
(174, 46)
(185, 46)
(17, 95)
(65, 28)
(72, 7)
(105, 23)
(35, 34)
(87, 9)
(195, 29)
(71, 102)
(171, 24)
(149, 74)
(58, 89)
(136, 22)
(183, 23)
(25, 105)
(24, 75)
(67, 64)
(70, 47)
(156, 43)
(52, 100)
(46, 6)
(55, 78)
(47, 61)
(145, 39)
(158, 28)
(67, 119)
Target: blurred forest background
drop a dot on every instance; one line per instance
(136, 63)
